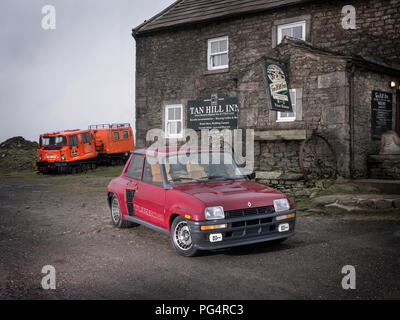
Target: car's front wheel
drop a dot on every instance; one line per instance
(181, 238)
(116, 214)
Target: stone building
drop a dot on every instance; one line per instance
(342, 64)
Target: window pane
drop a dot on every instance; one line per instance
(223, 45)
(293, 97)
(286, 32)
(298, 32)
(178, 113)
(172, 127)
(216, 61)
(224, 59)
(171, 114)
(179, 127)
(214, 47)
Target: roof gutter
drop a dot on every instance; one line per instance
(137, 32)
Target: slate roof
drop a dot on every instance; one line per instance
(187, 12)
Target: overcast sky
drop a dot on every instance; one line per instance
(81, 73)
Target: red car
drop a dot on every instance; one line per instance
(199, 199)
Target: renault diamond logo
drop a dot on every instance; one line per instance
(249, 204)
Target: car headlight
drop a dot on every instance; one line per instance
(281, 205)
(63, 158)
(40, 158)
(214, 213)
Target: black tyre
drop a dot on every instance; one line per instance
(116, 215)
(181, 238)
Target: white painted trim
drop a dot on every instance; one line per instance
(209, 56)
(294, 104)
(167, 121)
(291, 25)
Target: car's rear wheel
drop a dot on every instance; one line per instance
(116, 214)
(181, 238)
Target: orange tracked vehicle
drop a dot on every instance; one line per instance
(113, 142)
(71, 151)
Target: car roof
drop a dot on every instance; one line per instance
(167, 151)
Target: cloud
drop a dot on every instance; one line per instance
(79, 74)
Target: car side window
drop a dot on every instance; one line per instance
(135, 168)
(152, 173)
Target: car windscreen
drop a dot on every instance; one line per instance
(201, 167)
(56, 141)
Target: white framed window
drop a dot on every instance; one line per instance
(288, 116)
(218, 53)
(174, 121)
(295, 30)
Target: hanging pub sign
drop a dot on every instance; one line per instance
(382, 112)
(215, 111)
(276, 81)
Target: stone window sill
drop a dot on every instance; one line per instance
(276, 135)
(218, 71)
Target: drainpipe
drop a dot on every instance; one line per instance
(351, 118)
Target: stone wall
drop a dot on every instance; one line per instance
(384, 167)
(173, 65)
(364, 145)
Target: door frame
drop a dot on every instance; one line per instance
(397, 119)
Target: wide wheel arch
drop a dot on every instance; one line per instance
(171, 220)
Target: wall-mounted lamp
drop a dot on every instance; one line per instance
(393, 84)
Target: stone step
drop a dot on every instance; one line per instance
(361, 201)
(385, 186)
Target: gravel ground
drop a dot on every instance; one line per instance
(66, 223)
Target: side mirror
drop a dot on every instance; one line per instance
(252, 176)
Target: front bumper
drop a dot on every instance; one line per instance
(242, 231)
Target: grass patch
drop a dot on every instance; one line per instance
(82, 186)
(348, 188)
(100, 172)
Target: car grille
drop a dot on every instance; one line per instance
(249, 212)
(250, 227)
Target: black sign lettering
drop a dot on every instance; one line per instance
(213, 112)
(277, 87)
(382, 112)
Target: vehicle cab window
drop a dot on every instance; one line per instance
(116, 135)
(86, 137)
(73, 141)
(135, 167)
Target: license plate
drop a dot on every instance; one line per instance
(215, 237)
(283, 227)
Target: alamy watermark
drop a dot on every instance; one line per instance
(349, 17)
(231, 142)
(48, 17)
(349, 280)
(49, 280)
